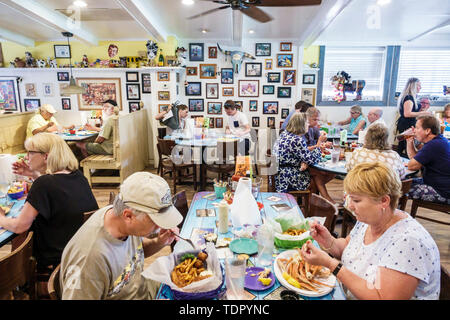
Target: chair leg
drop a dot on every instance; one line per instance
(87, 174)
(414, 207)
(195, 177)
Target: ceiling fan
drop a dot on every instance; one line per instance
(250, 7)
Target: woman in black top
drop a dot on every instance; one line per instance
(56, 201)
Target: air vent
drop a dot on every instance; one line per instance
(98, 14)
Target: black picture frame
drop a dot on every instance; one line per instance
(273, 77)
(271, 122)
(284, 113)
(225, 76)
(255, 122)
(33, 107)
(133, 106)
(137, 89)
(284, 92)
(268, 89)
(263, 49)
(63, 105)
(132, 76)
(193, 54)
(257, 74)
(193, 101)
(191, 86)
(307, 77)
(253, 105)
(146, 83)
(270, 104)
(62, 51)
(63, 76)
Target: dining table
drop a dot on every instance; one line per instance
(195, 225)
(79, 135)
(16, 209)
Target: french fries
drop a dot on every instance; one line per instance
(294, 232)
(188, 271)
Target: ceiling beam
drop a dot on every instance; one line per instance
(237, 19)
(15, 37)
(328, 11)
(146, 15)
(439, 26)
(53, 19)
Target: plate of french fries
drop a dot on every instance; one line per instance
(296, 274)
(191, 268)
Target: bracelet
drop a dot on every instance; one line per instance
(337, 269)
(328, 249)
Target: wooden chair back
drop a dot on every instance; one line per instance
(166, 147)
(303, 200)
(445, 284)
(265, 169)
(226, 152)
(406, 186)
(87, 215)
(112, 196)
(116, 140)
(321, 207)
(348, 222)
(162, 132)
(440, 207)
(53, 287)
(179, 200)
(18, 267)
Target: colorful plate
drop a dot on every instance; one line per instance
(244, 245)
(252, 283)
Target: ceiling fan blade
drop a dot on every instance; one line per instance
(257, 14)
(207, 12)
(287, 3)
(217, 1)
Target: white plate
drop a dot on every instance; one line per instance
(324, 290)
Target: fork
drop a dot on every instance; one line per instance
(187, 240)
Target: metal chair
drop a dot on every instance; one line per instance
(54, 290)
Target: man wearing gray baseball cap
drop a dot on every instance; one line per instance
(105, 258)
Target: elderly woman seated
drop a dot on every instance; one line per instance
(446, 115)
(356, 121)
(377, 148)
(44, 121)
(293, 155)
(388, 254)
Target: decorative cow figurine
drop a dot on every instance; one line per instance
(52, 63)
(41, 63)
(236, 58)
(152, 50)
(181, 56)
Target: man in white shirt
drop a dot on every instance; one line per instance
(374, 116)
(237, 124)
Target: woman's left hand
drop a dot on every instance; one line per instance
(303, 166)
(314, 255)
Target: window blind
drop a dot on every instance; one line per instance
(361, 63)
(430, 66)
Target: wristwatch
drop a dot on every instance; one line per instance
(337, 269)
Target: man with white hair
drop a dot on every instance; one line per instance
(105, 258)
(374, 116)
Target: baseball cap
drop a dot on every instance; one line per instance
(48, 107)
(150, 193)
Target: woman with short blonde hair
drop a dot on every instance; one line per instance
(388, 255)
(297, 124)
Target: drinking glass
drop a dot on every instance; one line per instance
(4, 187)
(234, 277)
(264, 238)
(335, 155)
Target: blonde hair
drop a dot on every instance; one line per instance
(356, 108)
(377, 137)
(374, 179)
(60, 157)
(410, 89)
(297, 124)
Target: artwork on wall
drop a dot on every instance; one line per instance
(30, 89)
(62, 88)
(253, 105)
(196, 105)
(226, 76)
(239, 105)
(268, 64)
(289, 77)
(263, 49)
(196, 52)
(132, 76)
(133, 106)
(63, 76)
(212, 122)
(253, 69)
(62, 51)
(214, 108)
(219, 122)
(163, 95)
(268, 89)
(207, 71)
(284, 113)
(48, 89)
(309, 95)
(271, 122)
(32, 104)
(284, 92)
(163, 107)
(273, 77)
(146, 83)
(191, 71)
(65, 104)
(286, 46)
(309, 79)
(212, 52)
(9, 94)
(248, 88)
(163, 76)
(133, 91)
(212, 91)
(99, 90)
(270, 107)
(285, 60)
(228, 92)
(193, 89)
(255, 122)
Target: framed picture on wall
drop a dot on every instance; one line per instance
(132, 76)
(219, 122)
(226, 76)
(193, 89)
(309, 95)
(133, 106)
(309, 79)
(207, 71)
(48, 89)
(212, 91)
(146, 83)
(248, 88)
(289, 77)
(196, 52)
(65, 104)
(191, 71)
(253, 105)
(163, 95)
(270, 107)
(273, 77)
(268, 64)
(284, 113)
(63, 76)
(163, 76)
(212, 52)
(285, 46)
(214, 108)
(196, 105)
(133, 91)
(30, 89)
(268, 89)
(31, 104)
(239, 105)
(262, 49)
(271, 122)
(283, 92)
(228, 92)
(9, 93)
(285, 60)
(212, 122)
(62, 51)
(163, 107)
(255, 122)
(253, 69)
(99, 90)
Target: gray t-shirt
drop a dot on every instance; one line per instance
(97, 266)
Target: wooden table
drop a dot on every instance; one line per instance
(193, 223)
(79, 136)
(6, 236)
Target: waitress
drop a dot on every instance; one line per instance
(178, 121)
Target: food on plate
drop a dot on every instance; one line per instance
(300, 274)
(294, 232)
(243, 256)
(190, 269)
(15, 189)
(228, 196)
(264, 277)
(210, 237)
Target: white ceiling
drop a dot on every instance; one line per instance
(335, 22)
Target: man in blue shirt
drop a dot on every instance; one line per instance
(300, 106)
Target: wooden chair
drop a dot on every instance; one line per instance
(166, 147)
(406, 186)
(18, 267)
(112, 196)
(224, 161)
(267, 169)
(54, 290)
(87, 215)
(303, 200)
(348, 222)
(162, 132)
(444, 208)
(180, 202)
(445, 284)
(321, 207)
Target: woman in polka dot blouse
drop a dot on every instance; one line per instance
(388, 254)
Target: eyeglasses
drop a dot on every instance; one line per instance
(31, 152)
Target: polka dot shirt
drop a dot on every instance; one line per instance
(405, 247)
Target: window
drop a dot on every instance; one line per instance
(361, 63)
(431, 66)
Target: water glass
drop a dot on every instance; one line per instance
(335, 156)
(235, 277)
(265, 247)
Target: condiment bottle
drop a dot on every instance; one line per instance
(223, 217)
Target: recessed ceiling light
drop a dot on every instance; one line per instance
(251, 31)
(383, 2)
(187, 2)
(204, 31)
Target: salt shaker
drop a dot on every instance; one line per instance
(223, 217)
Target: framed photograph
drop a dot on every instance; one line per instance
(283, 92)
(273, 77)
(309, 79)
(270, 107)
(31, 104)
(146, 83)
(228, 92)
(212, 122)
(163, 95)
(227, 76)
(62, 51)
(207, 71)
(132, 76)
(309, 95)
(284, 113)
(63, 76)
(30, 89)
(99, 90)
(268, 64)
(289, 77)
(65, 104)
(9, 94)
(193, 89)
(163, 107)
(196, 105)
(255, 122)
(268, 89)
(62, 87)
(133, 106)
(214, 108)
(285, 46)
(163, 76)
(263, 49)
(191, 71)
(48, 89)
(133, 91)
(253, 105)
(253, 69)
(285, 60)
(219, 122)
(271, 122)
(239, 105)
(212, 52)
(248, 88)
(212, 91)
(196, 52)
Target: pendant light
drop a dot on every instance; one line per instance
(73, 88)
